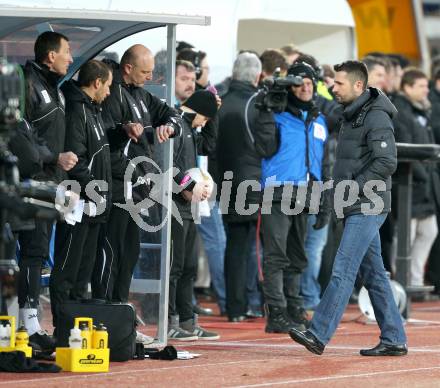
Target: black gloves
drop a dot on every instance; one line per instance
(322, 220)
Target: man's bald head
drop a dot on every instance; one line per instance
(136, 53)
(137, 65)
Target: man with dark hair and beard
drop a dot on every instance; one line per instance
(366, 155)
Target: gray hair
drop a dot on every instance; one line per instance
(246, 68)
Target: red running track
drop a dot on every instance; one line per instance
(245, 356)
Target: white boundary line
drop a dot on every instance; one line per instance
(330, 378)
(234, 344)
(239, 345)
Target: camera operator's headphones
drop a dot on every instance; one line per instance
(195, 57)
(198, 64)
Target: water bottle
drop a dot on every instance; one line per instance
(4, 342)
(21, 337)
(86, 336)
(75, 339)
(100, 337)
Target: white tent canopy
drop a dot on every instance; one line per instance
(323, 28)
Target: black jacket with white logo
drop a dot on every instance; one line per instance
(128, 103)
(86, 137)
(44, 111)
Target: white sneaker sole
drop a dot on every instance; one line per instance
(186, 339)
(214, 338)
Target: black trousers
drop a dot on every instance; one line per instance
(239, 236)
(284, 256)
(183, 271)
(34, 249)
(387, 232)
(75, 253)
(433, 265)
(117, 257)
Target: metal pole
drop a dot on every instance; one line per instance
(167, 193)
(403, 262)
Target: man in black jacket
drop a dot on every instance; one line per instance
(366, 157)
(236, 153)
(76, 243)
(197, 110)
(44, 111)
(130, 116)
(413, 125)
(433, 268)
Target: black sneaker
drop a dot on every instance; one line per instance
(42, 342)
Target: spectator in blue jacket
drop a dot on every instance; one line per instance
(293, 148)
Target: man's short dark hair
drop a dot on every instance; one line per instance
(195, 57)
(372, 61)
(271, 59)
(93, 70)
(411, 75)
(356, 71)
(46, 42)
(186, 64)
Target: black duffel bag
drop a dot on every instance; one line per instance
(119, 318)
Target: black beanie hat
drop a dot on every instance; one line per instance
(304, 70)
(202, 102)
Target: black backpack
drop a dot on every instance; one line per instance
(119, 318)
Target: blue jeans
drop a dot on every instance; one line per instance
(314, 245)
(359, 251)
(213, 235)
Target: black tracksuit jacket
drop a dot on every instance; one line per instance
(128, 103)
(45, 112)
(86, 137)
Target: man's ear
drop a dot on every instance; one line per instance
(97, 83)
(127, 68)
(359, 85)
(51, 57)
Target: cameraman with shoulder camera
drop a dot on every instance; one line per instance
(44, 110)
(292, 143)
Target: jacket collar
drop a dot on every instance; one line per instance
(242, 86)
(353, 109)
(51, 77)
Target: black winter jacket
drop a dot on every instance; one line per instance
(32, 154)
(413, 125)
(366, 147)
(126, 104)
(186, 149)
(434, 98)
(44, 111)
(86, 137)
(235, 147)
